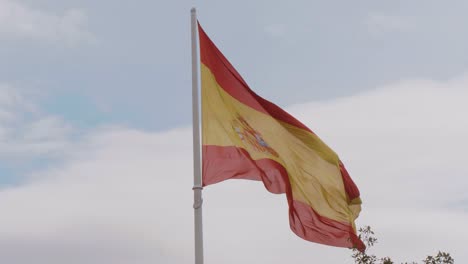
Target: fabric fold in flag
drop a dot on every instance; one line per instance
(247, 137)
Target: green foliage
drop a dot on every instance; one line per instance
(368, 237)
(440, 258)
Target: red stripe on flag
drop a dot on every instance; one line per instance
(231, 81)
(350, 187)
(309, 225)
(222, 163)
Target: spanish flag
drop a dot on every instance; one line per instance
(247, 137)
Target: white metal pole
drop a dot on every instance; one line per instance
(197, 181)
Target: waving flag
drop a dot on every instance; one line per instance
(247, 137)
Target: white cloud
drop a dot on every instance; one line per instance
(380, 23)
(18, 20)
(124, 196)
(27, 132)
(10, 100)
(415, 123)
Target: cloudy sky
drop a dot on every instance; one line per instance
(95, 129)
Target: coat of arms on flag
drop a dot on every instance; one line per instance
(251, 137)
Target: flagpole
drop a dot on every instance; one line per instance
(197, 181)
